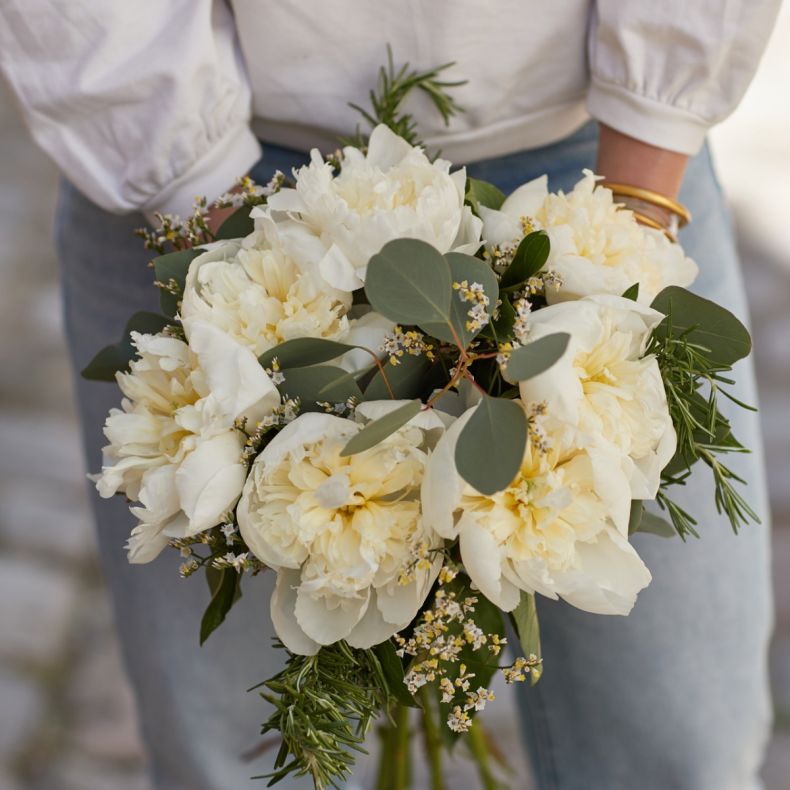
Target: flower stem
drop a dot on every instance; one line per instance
(401, 744)
(477, 745)
(433, 739)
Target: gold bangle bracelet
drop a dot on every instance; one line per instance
(651, 223)
(656, 198)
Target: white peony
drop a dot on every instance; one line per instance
(172, 445)
(559, 529)
(596, 247)
(258, 295)
(342, 532)
(392, 191)
(604, 385)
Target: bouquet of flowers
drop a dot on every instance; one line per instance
(419, 403)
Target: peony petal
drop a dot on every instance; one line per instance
(372, 629)
(483, 562)
(210, 480)
(239, 385)
(338, 271)
(386, 149)
(282, 608)
(368, 331)
(498, 227)
(328, 625)
(527, 199)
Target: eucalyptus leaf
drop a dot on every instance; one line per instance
(378, 430)
(320, 384)
(704, 322)
(656, 525)
(238, 225)
(392, 668)
(635, 516)
(112, 359)
(410, 282)
(406, 379)
(303, 351)
(525, 620)
(632, 292)
(481, 193)
(226, 592)
(173, 268)
(530, 257)
(472, 270)
(491, 445)
(537, 357)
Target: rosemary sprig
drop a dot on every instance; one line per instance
(693, 382)
(323, 707)
(393, 87)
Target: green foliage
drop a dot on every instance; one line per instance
(113, 359)
(225, 587)
(537, 357)
(695, 345)
(378, 430)
(316, 385)
(323, 707)
(491, 445)
(529, 258)
(171, 274)
(641, 520)
(410, 282)
(525, 620)
(406, 379)
(481, 193)
(392, 667)
(472, 270)
(704, 324)
(304, 351)
(393, 87)
(631, 292)
(238, 225)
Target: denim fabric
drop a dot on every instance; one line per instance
(674, 696)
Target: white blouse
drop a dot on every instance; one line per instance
(144, 105)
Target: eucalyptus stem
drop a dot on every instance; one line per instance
(477, 745)
(433, 739)
(401, 744)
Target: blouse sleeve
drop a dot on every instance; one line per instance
(665, 72)
(143, 105)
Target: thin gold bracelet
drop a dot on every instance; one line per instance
(652, 223)
(656, 198)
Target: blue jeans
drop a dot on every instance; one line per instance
(673, 696)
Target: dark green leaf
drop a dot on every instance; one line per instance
(238, 225)
(525, 620)
(378, 430)
(226, 592)
(172, 268)
(502, 327)
(303, 351)
(491, 445)
(531, 255)
(708, 324)
(392, 667)
(537, 357)
(632, 293)
(112, 359)
(473, 270)
(410, 282)
(481, 193)
(322, 384)
(406, 379)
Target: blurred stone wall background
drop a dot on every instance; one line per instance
(67, 718)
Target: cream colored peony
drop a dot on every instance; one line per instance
(172, 445)
(559, 529)
(604, 385)
(596, 248)
(254, 292)
(345, 535)
(390, 192)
